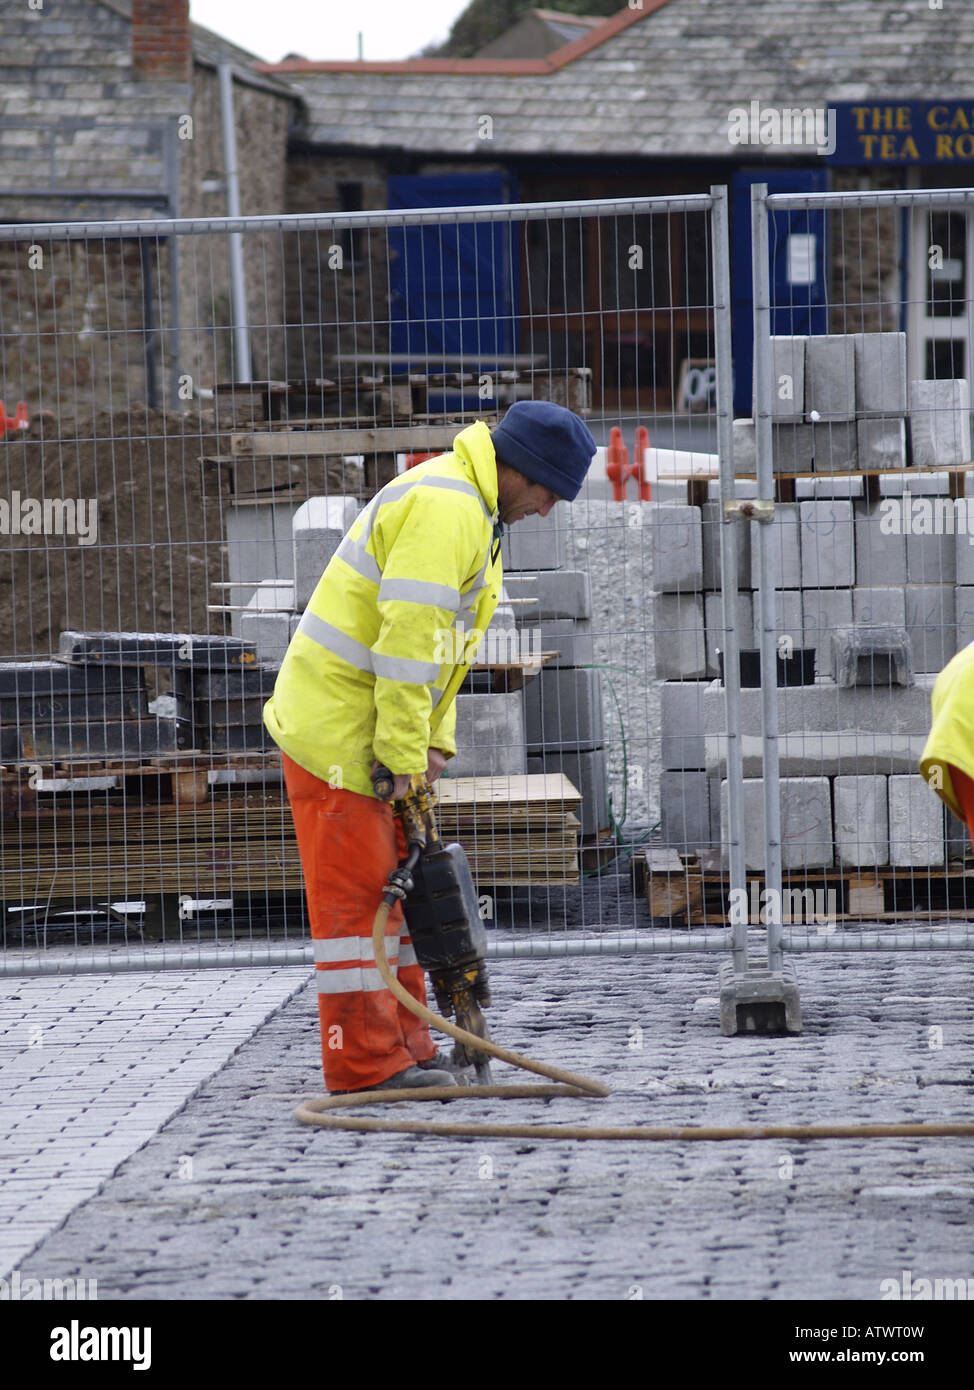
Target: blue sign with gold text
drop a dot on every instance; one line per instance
(898, 133)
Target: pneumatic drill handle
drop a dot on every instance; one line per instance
(383, 783)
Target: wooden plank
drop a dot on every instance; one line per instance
(304, 443)
(864, 895)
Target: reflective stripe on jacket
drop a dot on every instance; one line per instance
(374, 667)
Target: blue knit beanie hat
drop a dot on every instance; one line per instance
(547, 443)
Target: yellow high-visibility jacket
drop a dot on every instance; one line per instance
(951, 737)
(374, 667)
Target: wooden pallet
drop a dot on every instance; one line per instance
(517, 831)
(380, 397)
(184, 778)
(680, 891)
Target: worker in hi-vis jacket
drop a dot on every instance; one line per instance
(364, 683)
(947, 761)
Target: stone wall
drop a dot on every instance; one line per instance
(866, 257)
(330, 308)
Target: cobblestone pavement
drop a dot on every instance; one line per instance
(232, 1198)
(91, 1066)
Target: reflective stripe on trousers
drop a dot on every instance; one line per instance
(348, 845)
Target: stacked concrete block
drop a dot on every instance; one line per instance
(932, 625)
(572, 640)
(916, 824)
(744, 446)
(823, 610)
(685, 811)
(269, 621)
(563, 713)
(835, 446)
(788, 378)
(683, 744)
(930, 555)
(563, 710)
(830, 377)
(490, 736)
(259, 547)
(687, 806)
(788, 618)
(940, 422)
(784, 537)
(881, 443)
(557, 593)
(793, 448)
(806, 822)
(827, 544)
(677, 548)
(536, 543)
(713, 533)
(881, 605)
(880, 545)
(964, 614)
(681, 648)
(316, 533)
(861, 820)
(713, 613)
(881, 596)
(881, 399)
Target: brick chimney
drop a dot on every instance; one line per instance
(161, 43)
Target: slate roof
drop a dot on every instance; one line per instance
(659, 81)
(75, 120)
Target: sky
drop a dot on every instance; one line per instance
(326, 29)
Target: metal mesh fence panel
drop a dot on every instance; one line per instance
(206, 407)
(863, 417)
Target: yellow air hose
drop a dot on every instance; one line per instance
(320, 1110)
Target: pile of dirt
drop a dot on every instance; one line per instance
(145, 546)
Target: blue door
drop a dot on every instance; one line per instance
(453, 288)
(796, 246)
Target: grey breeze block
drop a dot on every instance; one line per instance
(677, 548)
(563, 709)
(806, 822)
(316, 533)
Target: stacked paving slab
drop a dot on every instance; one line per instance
(91, 702)
(883, 612)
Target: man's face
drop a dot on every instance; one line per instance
(518, 497)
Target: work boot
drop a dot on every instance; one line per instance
(444, 1061)
(412, 1076)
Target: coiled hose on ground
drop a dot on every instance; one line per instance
(326, 1111)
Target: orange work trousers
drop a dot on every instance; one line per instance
(964, 791)
(349, 844)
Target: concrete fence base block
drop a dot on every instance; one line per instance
(878, 655)
(760, 1001)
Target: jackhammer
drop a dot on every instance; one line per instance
(442, 913)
